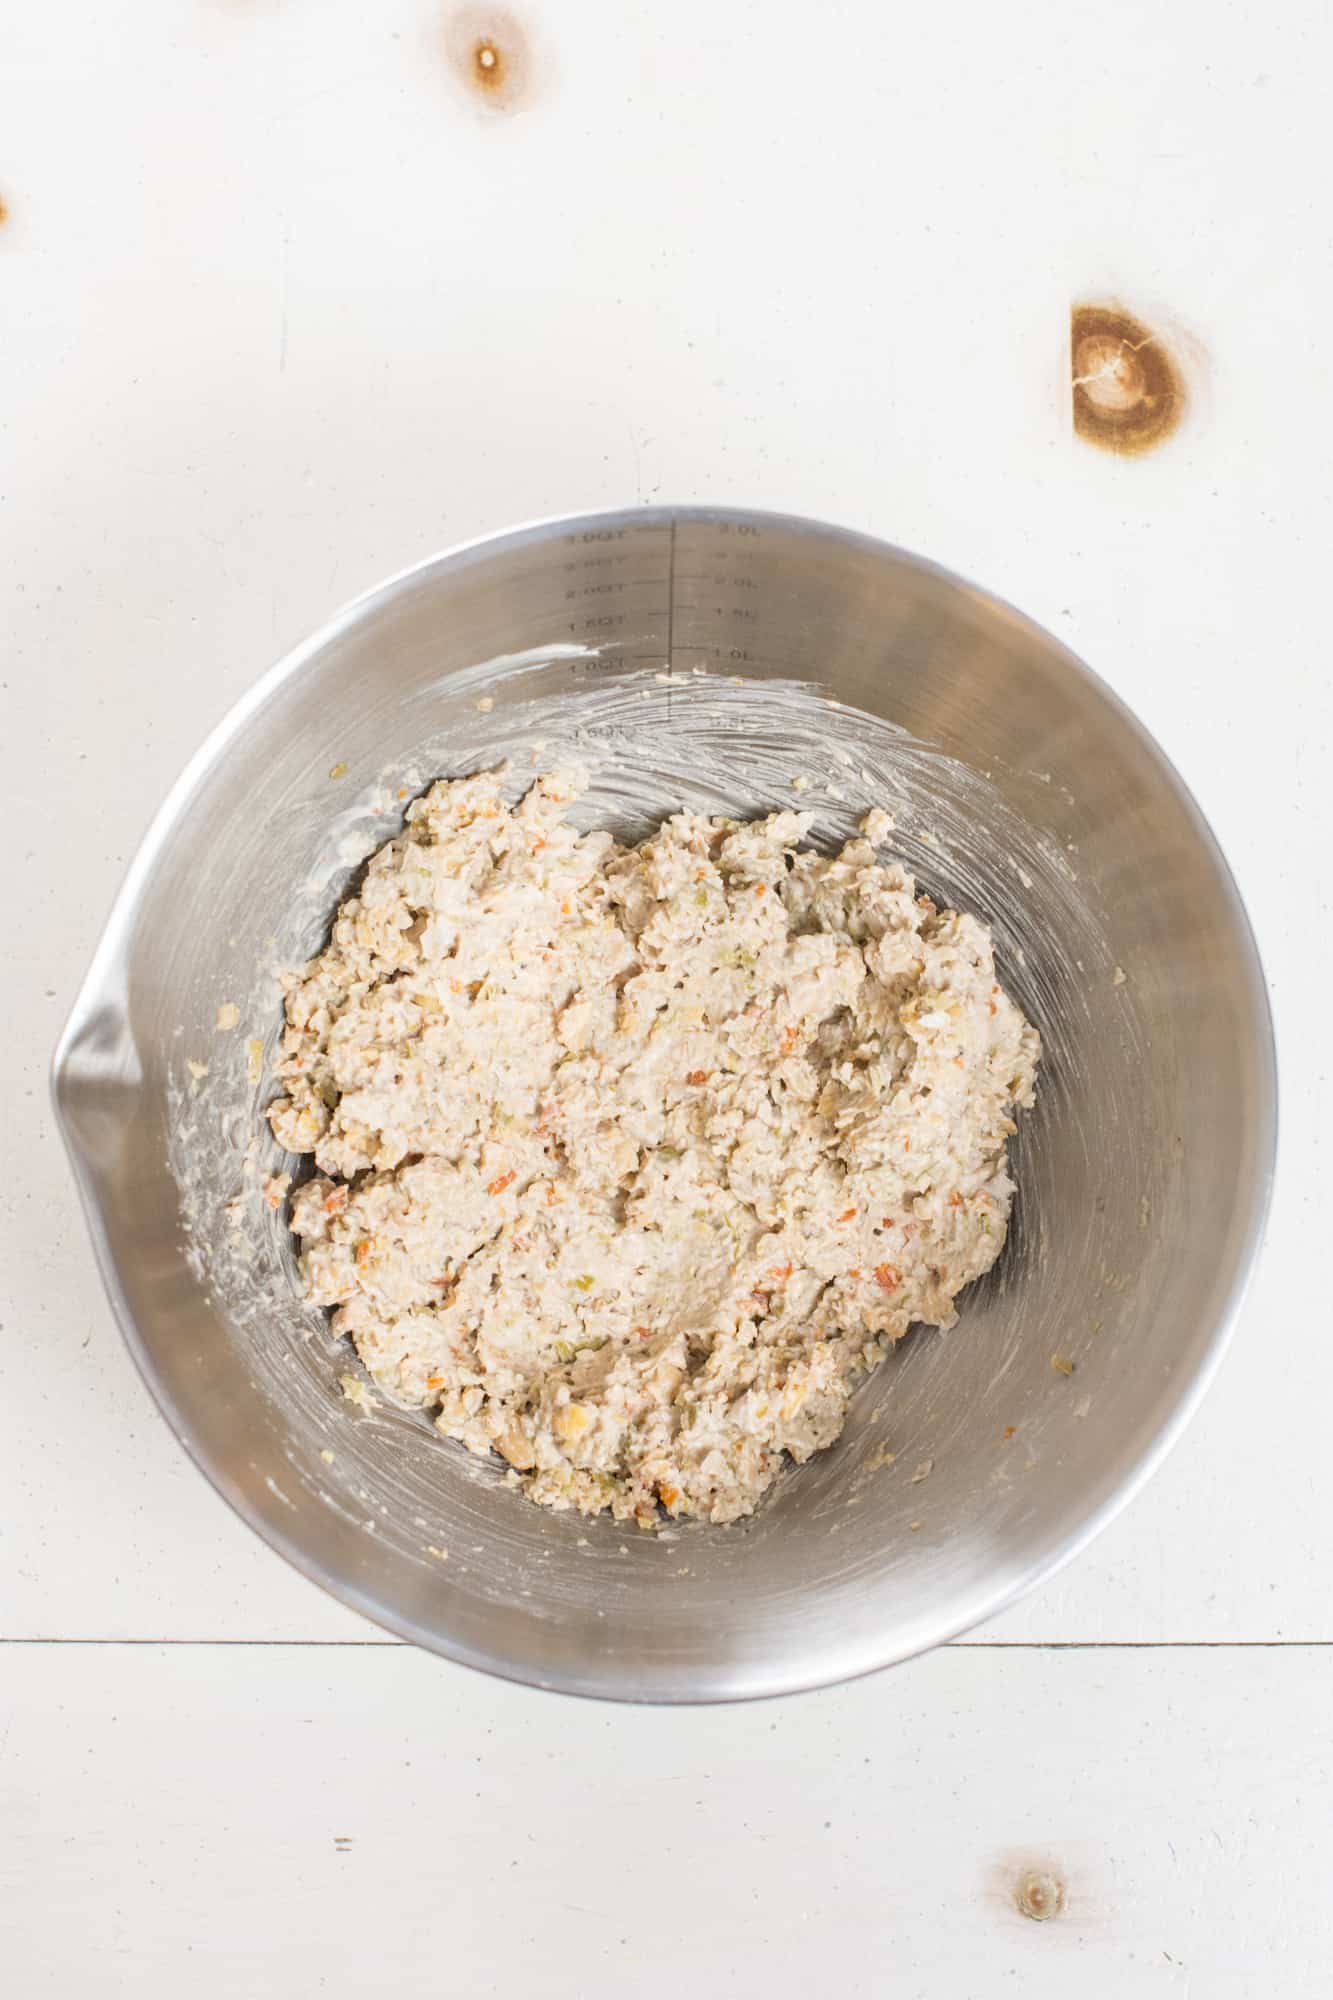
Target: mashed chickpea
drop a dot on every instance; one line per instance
(633, 1161)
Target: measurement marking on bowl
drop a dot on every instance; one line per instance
(1128, 392)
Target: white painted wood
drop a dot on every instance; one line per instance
(275, 1821)
(283, 311)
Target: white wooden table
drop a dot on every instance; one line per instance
(286, 305)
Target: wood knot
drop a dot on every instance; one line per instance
(490, 55)
(1039, 1895)
(1128, 393)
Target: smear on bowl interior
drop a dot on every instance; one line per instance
(632, 1162)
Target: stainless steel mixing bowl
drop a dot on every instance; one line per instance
(714, 658)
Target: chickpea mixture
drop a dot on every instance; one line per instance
(632, 1162)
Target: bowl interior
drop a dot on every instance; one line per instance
(702, 659)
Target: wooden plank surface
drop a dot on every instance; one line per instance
(271, 1821)
(285, 309)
